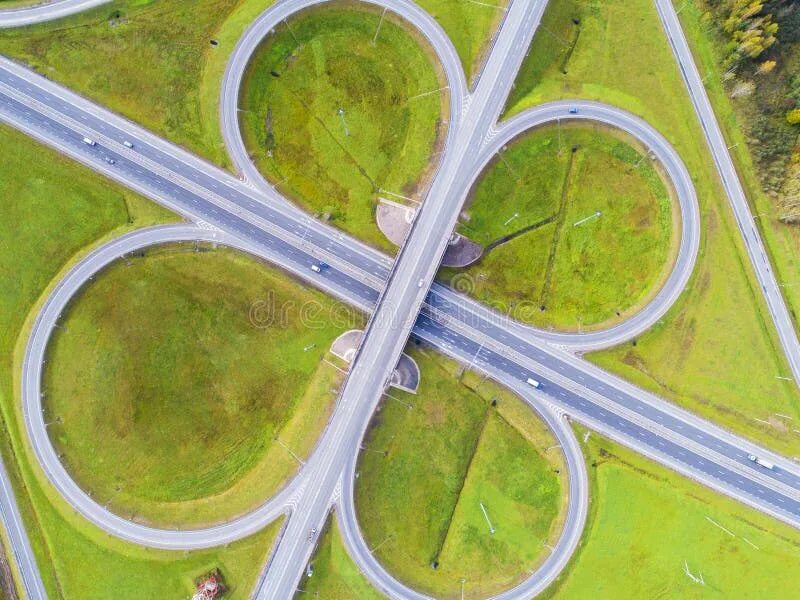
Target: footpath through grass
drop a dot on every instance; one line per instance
(716, 352)
(647, 524)
(569, 267)
(340, 105)
(173, 374)
(335, 575)
(51, 209)
(425, 472)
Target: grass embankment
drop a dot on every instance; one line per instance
(174, 373)
(647, 524)
(425, 472)
(567, 268)
(51, 209)
(716, 352)
(336, 164)
(335, 575)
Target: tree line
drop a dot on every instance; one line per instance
(762, 74)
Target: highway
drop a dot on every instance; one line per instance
(45, 11)
(401, 298)
(506, 351)
(468, 347)
(733, 187)
(562, 550)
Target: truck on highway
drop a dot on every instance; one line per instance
(89, 142)
(760, 461)
(535, 383)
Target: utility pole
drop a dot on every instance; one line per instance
(377, 31)
(485, 516)
(340, 112)
(558, 124)
(593, 216)
(696, 578)
(289, 450)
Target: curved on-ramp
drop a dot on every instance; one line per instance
(32, 368)
(551, 567)
(678, 177)
(46, 11)
(272, 18)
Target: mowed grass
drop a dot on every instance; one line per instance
(424, 473)
(147, 63)
(96, 570)
(172, 376)
(716, 351)
(336, 165)
(177, 95)
(646, 523)
(335, 575)
(575, 270)
(470, 27)
(50, 210)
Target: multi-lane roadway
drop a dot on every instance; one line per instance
(39, 12)
(260, 222)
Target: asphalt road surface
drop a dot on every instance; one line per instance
(199, 192)
(44, 11)
(184, 195)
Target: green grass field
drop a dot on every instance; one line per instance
(716, 351)
(336, 166)
(782, 241)
(105, 62)
(335, 575)
(425, 472)
(178, 94)
(469, 25)
(571, 270)
(51, 210)
(163, 366)
(646, 521)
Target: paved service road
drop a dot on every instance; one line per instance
(47, 11)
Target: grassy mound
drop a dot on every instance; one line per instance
(173, 376)
(426, 473)
(550, 259)
(336, 108)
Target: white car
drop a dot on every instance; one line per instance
(127, 144)
(315, 268)
(89, 142)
